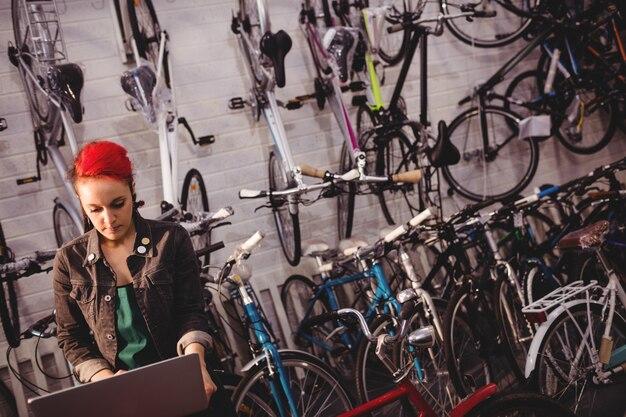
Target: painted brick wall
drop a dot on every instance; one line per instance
(207, 72)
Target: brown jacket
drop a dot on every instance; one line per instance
(166, 284)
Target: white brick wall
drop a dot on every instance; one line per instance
(207, 71)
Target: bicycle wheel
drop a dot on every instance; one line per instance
(285, 211)
(519, 404)
(388, 155)
(469, 364)
(392, 45)
(538, 280)
(524, 97)
(313, 386)
(567, 360)
(296, 294)
(147, 34)
(254, 15)
(35, 54)
(64, 227)
(504, 28)
(8, 405)
(194, 200)
(321, 9)
(9, 313)
(515, 332)
(503, 169)
(346, 197)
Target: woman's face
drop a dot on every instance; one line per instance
(108, 203)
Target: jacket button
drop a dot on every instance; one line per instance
(91, 257)
(110, 337)
(141, 249)
(107, 297)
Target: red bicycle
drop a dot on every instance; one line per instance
(485, 402)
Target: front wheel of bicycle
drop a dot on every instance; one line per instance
(346, 197)
(313, 387)
(495, 164)
(285, 210)
(521, 404)
(64, 227)
(194, 200)
(9, 313)
(489, 32)
(567, 360)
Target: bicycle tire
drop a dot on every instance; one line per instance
(194, 200)
(9, 312)
(522, 156)
(346, 197)
(254, 398)
(553, 366)
(64, 227)
(256, 22)
(524, 97)
(393, 45)
(494, 32)
(8, 404)
(519, 404)
(147, 34)
(39, 104)
(287, 223)
(515, 332)
(468, 366)
(392, 154)
(538, 280)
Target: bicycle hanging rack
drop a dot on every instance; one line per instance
(46, 43)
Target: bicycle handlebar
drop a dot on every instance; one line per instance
(402, 229)
(28, 264)
(438, 30)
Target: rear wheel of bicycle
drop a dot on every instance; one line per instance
(524, 97)
(392, 45)
(565, 361)
(64, 227)
(194, 200)
(520, 404)
(9, 313)
(392, 154)
(489, 32)
(503, 169)
(147, 34)
(285, 211)
(346, 197)
(468, 364)
(39, 103)
(8, 405)
(313, 386)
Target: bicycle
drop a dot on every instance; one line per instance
(151, 89)
(484, 402)
(279, 381)
(53, 88)
(264, 53)
(579, 346)
(488, 133)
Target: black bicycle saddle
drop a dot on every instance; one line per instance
(66, 81)
(139, 83)
(444, 153)
(276, 46)
(340, 47)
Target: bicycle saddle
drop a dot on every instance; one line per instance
(139, 83)
(276, 46)
(66, 82)
(444, 153)
(340, 43)
(585, 238)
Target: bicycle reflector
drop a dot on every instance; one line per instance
(536, 317)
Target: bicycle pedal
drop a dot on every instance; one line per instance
(359, 101)
(12, 52)
(22, 181)
(293, 105)
(236, 103)
(357, 86)
(206, 140)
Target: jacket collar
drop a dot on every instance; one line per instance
(143, 246)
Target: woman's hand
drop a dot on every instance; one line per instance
(209, 385)
(102, 374)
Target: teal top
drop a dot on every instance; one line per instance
(134, 344)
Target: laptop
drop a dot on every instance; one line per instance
(171, 388)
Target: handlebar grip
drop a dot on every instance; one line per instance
(310, 171)
(395, 28)
(223, 213)
(464, 100)
(396, 233)
(526, 200)
(245, 193)
(599, 195)
(11, 267)
(485, 13)
(421, 217)
(43, 256)
(253, 241)
(317, 320)
(549, 191)
(408, 176)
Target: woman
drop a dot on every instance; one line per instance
(127, 292)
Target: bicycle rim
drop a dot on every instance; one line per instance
(64, 227)
(313, 387)
(392, 45)
(194, 200)
(287, 223)
(39, 104)
(346, 197)
(568, 380)
(488, 32)
(507, 166)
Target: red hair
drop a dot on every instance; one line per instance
(102, 159)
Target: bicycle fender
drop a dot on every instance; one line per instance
(533, 351)
(254, 361)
